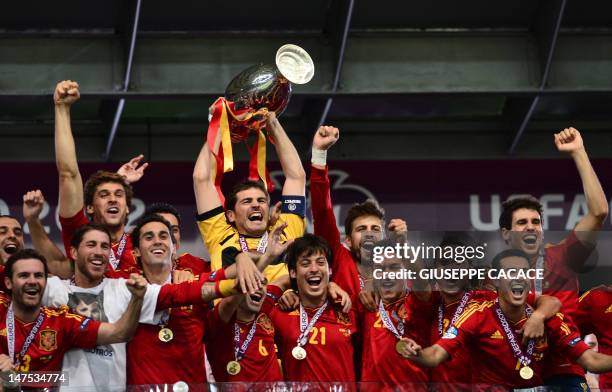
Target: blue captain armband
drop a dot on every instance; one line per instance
(294, 205)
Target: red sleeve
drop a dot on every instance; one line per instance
(322, 209)
(564, 334)
(69, 226)
(460, 335)
(79, 331)
(180, 294)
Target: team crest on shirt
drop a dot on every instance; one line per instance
(48, 340)
(264, 321)
(401, 311)
(450, 333)
(609, 310)
(342, 318)
(3, 332)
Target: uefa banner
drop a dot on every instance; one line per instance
(429, 195)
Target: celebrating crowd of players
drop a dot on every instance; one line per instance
(277, 304)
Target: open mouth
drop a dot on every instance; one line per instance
(314, 281)
(31, 291)
(256, 297)
(530, 239)
(10, 248)
(256, 216)
(112, 210)
(158, 252)
(517, 290)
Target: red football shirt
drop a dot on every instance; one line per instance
(151, 361)
(381, 363)
(493, 361)
(260, 363)
(594, 315)
(127, 262)
(329, 349)
(344, 268)
(59, 332)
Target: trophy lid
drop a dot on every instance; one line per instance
(295, 64)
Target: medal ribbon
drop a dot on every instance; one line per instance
(458, 312)
(261, 246)
(239, 351)
(384, 316)
(115, 259)
(306, 326)
(10, 334)
(525, 359)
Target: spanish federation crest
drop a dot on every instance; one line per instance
(48, 340)
(451, 333)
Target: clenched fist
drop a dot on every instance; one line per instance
(66, 93)
(33, 203)
(569, 141)
(325, 137)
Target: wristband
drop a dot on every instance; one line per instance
(319, 157)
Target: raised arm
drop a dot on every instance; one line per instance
(57, 263)
(570, 141)
(124, 328)
(320, 193)
(204, 173)
(295, 177)
(70, 181)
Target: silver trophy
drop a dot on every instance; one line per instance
(267, 86)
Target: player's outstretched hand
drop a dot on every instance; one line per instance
(339, 296)
(248, 275)
(180, 276)
(288, 301)
(133, 170)
(409, 348)
(275, 213)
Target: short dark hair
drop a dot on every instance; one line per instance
(307, 245)
(80, 232)
(163, 208)
(368, 207)
(509, 206)
(23, 254)
(101, 177)
(496, 263)
(135, 235)
(232, 199)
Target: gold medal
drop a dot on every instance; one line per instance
(233, 367)
(526, 373)
(165, 335)
(401, 347)
(298, 353)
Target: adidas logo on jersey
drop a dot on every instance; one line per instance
(496, 335)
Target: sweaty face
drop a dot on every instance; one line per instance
(92, 254)
(391, 289)
(11, 238)
(109, 207)
(27, 283)
(513, 292)
(174, 228)
(367, 223)
(312, 275)
(526, 233)
(250, 215)
(155, 248)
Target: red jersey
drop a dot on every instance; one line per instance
(329, 349)
(151, 361)
(259, 363)
(59, 332)
(493, 361)
(594, 315)
(344, 268)
(381, 362)
(127, 261)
